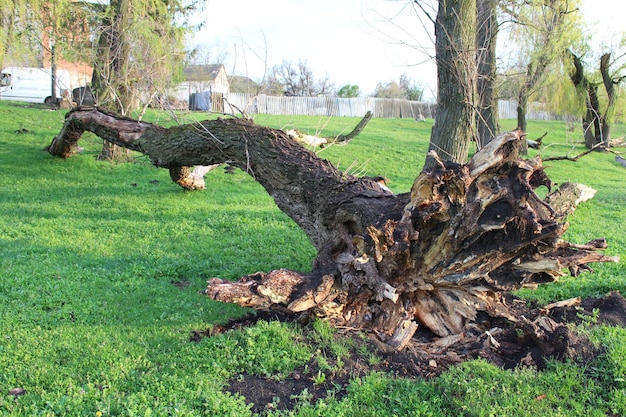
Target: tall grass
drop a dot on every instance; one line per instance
(101, 268)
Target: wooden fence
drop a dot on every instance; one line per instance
(327, 106)
(357, 107)
(507, 109)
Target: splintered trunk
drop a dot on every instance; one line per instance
(385, 263)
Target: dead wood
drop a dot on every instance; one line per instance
(571, 302)
(536, 143)
(385, 263)
(596, 147)
(314, 140)
(569, 195)
(357, 129)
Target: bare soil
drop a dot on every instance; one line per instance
(501, 342)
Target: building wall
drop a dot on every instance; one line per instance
(221, 84)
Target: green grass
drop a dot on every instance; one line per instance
(90, 321)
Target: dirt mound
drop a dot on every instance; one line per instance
(538, 335)
(604, 310)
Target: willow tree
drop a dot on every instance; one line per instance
(600, 103)
(386, 263)
(16, 38)
(64, 30)
(543, 30)
(139, 52)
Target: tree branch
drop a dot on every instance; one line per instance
(577, 157)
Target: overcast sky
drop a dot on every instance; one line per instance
(361, 42)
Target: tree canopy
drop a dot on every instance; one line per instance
(140, 49)
(543, 31)
(297, 79)
(138, 45)
(349, 91)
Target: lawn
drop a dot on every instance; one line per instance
(101, 268)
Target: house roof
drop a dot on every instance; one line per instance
(241, 84)
(202, 72)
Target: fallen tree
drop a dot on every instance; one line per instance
(385, 263)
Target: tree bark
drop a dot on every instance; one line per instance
(109, 74)
(522, 105)
(596, 123)
(385, 263)
(455, 43)
(357, 129)
(487, 25)
(592, 126)
(609, 87)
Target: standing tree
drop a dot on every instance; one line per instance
(349, 91)
(597, 122)
(389, 90)
(487, 31)
(66, 29)
(139, 53)
(298, 80)
(406, 88)
(47, 34)
(545, 29)
(15, 35)
(455, 43)
(272, 86)
(412, 91)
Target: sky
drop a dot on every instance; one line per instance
(363, 42)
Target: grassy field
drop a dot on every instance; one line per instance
(91, 323)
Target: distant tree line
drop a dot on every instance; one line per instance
(298, 79)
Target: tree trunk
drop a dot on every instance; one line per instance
(487, 121)
(522, 105)
(609, 86)
(593, 120)
(109, 78)
(385, 263)
(455, 43)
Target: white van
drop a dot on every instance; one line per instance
(33, 84)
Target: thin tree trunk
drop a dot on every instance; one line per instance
(522, 105)
(592, 122)
(385, 263)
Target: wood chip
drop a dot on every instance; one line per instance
(572, 302)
